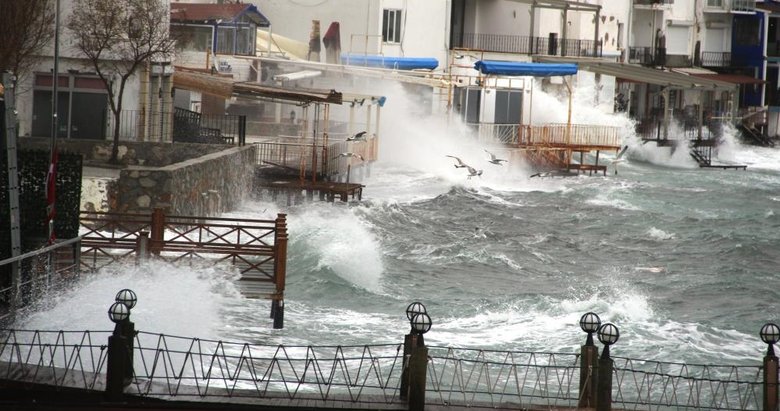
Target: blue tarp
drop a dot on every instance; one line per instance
(399, 63)
(514, 68)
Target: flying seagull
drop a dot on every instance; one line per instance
(460, 164)
(619, 158)
(473, 172)
(352, 155)
(493, 158)
(361, 136)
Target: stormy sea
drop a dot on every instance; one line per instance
(683, 260)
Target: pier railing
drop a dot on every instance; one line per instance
(556, 134)
(171, 367)
(24, 278)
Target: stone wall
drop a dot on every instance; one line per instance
(203, 186)
(97, 152)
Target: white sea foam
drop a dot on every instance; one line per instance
(172, 299)
(659, 234)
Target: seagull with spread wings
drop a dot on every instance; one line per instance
(460, 164)
(473, 172)
(493, 159)
(361, 136)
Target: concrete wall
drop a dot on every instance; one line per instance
(202, 186)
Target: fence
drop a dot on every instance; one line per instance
(550, 135)
(169, 366)
(180, 126)
(25, 278)
(551, 46)
(303, 156)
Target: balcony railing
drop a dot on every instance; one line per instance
(549, 46)
(715, 59)
(652, 2)
(743, 5)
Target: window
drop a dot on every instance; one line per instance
(391, 26)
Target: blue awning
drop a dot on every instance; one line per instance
(398, 63)
(514, 68)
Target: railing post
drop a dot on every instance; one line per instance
(608, 334)
(241, 130)
(770, 383)
(409, 340)
(280, 269)
(770, 334)
(115, 366)
(418, 367)
(158, 231)
(142, 246)
(589, 355)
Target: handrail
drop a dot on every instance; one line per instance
(39, 251)
(175, 366)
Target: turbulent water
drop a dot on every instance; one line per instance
(683, 260)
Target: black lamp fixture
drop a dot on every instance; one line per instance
(608, 334)
(421, 323)
(127, 297)
(118, 312)
(770, 334)
(414, 309)
(590, 323)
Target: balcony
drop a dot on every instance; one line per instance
(549, 46)
(652, 3)
(715, 59)
(743, 6)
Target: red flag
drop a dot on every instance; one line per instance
(51, 185)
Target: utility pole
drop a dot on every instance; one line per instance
(9, 81)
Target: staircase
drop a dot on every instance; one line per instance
(702, 155)
(755, 136)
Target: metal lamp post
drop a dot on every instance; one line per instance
(116, 367)
(126, 328)
(418, 362)
(770, 334)
(608, 334)
(410, 342)
(589, 354)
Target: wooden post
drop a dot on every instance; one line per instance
(115, 366)
(589, 355)
(158, 231)
(142, 246)
(770, 383)
(418, 367)
(604, 382)
(409, 344)
(280, 268)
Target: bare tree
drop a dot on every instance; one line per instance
(118, 37)
(26, 27)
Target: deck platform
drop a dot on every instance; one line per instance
(326, 190)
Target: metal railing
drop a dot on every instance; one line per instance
(550, 134)
(180, 126)
(551, 46)
(25, 278)
(304, 156)
(169, 366)
(715, 59)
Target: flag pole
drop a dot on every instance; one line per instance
(51, 175)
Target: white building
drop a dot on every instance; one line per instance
(83, 109)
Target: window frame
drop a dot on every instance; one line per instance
(392, 34)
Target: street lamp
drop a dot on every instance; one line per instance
(414, 309)
(421, 323)
(770, 334)
(127, 297)
(590, 323)
(608, 334)
(118, 312)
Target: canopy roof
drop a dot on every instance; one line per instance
(641, 74)
(399, 63)
(216, 13)
(514, 68)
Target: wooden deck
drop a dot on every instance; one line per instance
(295, 189)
